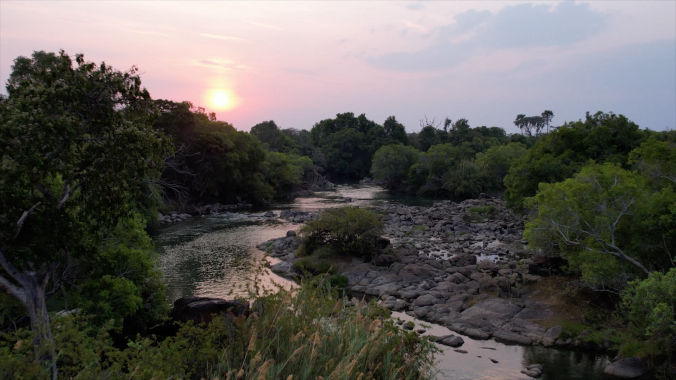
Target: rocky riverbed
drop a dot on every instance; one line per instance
(462, 265)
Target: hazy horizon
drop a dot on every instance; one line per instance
(300, 62)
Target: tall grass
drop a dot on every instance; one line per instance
(313, 333)
(306, 333)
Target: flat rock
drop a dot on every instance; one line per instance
(511, 337)
(494, 311)
(425, 300)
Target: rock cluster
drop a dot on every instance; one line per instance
(297, 216)
(195, 210)
(462, 265)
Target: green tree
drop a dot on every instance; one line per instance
(495, 162)
(395, 131)
(602, 137)
(78, 155)
(347, 144)
(273, 139)
(596, 220)
(285, 171)
(427, 137)
(650, 305)
(463, 180)
(213, 162)
(347, 230)
(391, 164)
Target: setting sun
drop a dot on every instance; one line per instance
(220, 99)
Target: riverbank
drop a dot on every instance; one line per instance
(461, 265)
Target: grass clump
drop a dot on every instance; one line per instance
(480, 213)
(345, 231)
(312, 266)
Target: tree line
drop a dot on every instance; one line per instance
(88, 157)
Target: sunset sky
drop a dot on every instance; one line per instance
(301, 62)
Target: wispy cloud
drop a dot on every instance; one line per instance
(221, 64)
(519, 26)
(224, 37)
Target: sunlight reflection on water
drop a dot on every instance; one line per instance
(216, 256)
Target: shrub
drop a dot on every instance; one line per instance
(309, 333)
(312, 265)
(347, 230)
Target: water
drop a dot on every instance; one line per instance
(216, 256)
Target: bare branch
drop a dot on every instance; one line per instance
(22, 219)
(12, 289)
(64, 196)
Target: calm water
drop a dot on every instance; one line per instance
(217, 256)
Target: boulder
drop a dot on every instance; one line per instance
(627, 368)
(203, 309)
(425, 300)
(533, 370)
(546, 266)
(451, 340)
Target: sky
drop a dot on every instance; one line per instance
(301, 62)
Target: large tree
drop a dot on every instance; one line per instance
(601, 220)
(78, 155)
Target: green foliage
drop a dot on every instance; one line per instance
(656, 160)
(309, 333)
(85, 351)
(121, 284)
(593, 220)
(78, 157)
(347, 144)
(312, 265)
(347, 230)
(395, 131)
(213, 162)
(650, 305)
(96, 157)
(274, 139)
(463, 180)
(603, 137)
(494, 164)
(284, 172)
(391, 164)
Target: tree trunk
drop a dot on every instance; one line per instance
(43, 341)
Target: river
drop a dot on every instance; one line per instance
(216, 256)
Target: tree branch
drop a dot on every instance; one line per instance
(12, 289)
(14, 273)
(22, 219)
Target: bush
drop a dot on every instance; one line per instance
(391, 164)
(312, 266)
(309, 333)
(347, 230)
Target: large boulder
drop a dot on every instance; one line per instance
(546, 265)
(451, 340)
(628, 368)
(203, 309)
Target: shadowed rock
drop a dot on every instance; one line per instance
(203, 309)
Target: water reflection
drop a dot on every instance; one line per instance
(216, 260)
(216, 256)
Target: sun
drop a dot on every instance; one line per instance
(221, 99)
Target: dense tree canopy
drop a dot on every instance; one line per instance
(608, 223)
(602, 137)
(78, 158)
(391, 164)
(347, 144)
